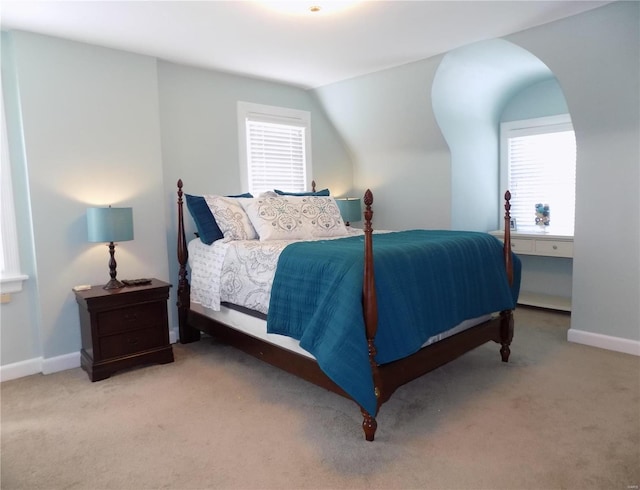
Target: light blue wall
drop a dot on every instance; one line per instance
(104, 126)
(596, 59)
(20, 319)
(396, 145)
(472, 85)
(90, 127)
(537, 100)
(387, 121)
(198, 117)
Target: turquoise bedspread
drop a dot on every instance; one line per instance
(426, 282)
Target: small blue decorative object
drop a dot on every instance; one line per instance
(543, 215)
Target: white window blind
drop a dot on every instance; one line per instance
(274, 148)
(540, 156)
(276, 157)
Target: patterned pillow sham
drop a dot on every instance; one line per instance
(231, 217)
(295, 217)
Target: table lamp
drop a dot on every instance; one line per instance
(110, 225)
(350, 209)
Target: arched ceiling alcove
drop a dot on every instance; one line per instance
(470, 89)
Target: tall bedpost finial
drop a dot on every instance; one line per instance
(313, 186)
(368, 213)
(508, 262)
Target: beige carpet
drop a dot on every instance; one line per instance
(558, 416)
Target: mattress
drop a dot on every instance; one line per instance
(256, 326)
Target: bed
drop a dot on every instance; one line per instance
(325, 318)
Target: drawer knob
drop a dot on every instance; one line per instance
(555, 247)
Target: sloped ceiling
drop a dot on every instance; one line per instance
(306, 50)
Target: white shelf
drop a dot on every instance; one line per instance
(544, 301)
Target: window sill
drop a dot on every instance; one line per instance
(12, 283)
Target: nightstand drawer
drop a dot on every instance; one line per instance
(554, 248)
(132, 342)
(521, 246)
(130, 318)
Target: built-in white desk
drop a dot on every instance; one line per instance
(535, 241)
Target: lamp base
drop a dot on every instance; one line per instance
(113, 284)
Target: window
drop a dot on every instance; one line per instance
(10, 276)
(274, 148)
(539, 166)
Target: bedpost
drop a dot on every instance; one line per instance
(313, 186)
(370, 309)
(506, 317)
(508, 262)
(187, 334)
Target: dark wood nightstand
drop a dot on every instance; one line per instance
(123, 328)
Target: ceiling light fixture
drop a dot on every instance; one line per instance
(311, 7)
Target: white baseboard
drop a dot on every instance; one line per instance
(21, 369)
(39, 365)
(617, 344)
(52, 364)
(61, 363)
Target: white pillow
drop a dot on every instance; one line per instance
(294, 217)
(231, 217)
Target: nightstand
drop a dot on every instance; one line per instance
(123, 328)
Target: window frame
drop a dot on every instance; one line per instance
(273, 115)
(523, 127)
(11, 277)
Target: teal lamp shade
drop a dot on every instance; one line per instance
(110, 225)
(350, 209)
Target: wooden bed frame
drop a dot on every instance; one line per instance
(387, 377)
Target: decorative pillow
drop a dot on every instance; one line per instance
(323, 192)
(231, 217)
(208, 229)
(295, 217)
